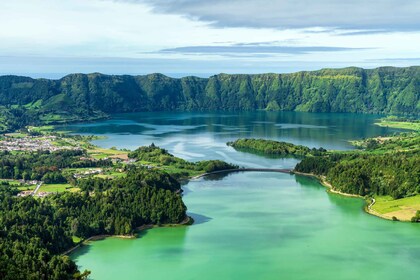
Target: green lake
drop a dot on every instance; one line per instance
(253, 225)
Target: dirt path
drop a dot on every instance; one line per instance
(36, 189)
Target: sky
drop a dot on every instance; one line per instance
(52, 38)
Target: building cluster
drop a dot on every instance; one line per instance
(31, 192)
(29, 183)
(43, 194)
(25, 193)
(32, 143)
(116, 160)
(88, 173)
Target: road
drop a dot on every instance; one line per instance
(36, 189)
(244, 169)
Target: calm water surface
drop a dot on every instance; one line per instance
(254, 225)
(198, 136)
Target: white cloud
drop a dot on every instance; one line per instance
(344, 14)
(95, 29)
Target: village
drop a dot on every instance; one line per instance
(27, 143)
(33, 143)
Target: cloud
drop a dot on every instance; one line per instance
(351, 32)
(77, 35)
(254, 48)
(387, 15)
(366, 32)
(396, 59)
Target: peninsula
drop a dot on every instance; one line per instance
(59, 190)
(385, 170)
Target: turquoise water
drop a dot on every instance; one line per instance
(198, 136)
(254, 225)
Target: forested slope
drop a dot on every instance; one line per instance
(389, 166)
(34, 232)
(80, 96)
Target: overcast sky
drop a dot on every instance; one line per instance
(181, 37)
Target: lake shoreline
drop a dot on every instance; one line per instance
(367, 208)
(322, 180)
(186, 222)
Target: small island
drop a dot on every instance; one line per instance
(274, 148)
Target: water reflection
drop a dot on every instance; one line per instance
(199, 136)
(199, 219)
(312, 129)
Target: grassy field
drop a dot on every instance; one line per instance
(399, 124)
(18, 185)
(16, 135)
(26, 188)
(110, 175)
(34, 105)
(57, 188)
(100, 153)
(172, 169)
(41, 129)
(403, 209)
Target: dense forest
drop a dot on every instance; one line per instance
(34, 232)
(396, 174)
(385, 167)
(275, 148)
(81, 97)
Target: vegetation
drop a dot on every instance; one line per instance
(34, 232)
(400, 122)
(56, 188)
(84, 193)
(388, 169)
(78, 97)
(416, 217)
(404, 142)
(31, 240)
(402, 208)
(44, 165)
(270, 147)
(387, 166)
(179, 167)
(394, 173)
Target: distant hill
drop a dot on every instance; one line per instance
(384, 90)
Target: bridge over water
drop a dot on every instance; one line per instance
(288, 171)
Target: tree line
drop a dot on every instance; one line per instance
(396, 174)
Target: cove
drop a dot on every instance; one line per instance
(263, 226)
(253, 225)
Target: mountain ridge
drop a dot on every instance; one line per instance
(383, 90)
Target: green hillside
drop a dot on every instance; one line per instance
(384, 90)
